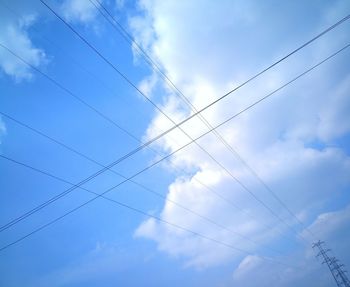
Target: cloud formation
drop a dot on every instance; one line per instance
(330, 226)
(291, 141)
(247, 265)
(2, 129)
(14, 34)
(80, 11)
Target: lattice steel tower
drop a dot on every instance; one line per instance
(337, 269)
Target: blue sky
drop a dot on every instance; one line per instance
(297, 142)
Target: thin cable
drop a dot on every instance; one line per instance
(66, 90)
(62, 50)
(236, 88)
(153, 103)
(172, 153)
(107, 61)
(203, 217)
(69, 92)
(117, 125)
(122, 158)
(155, 67)
(104, 116)
(126, 35)
(110, 120)
(59, 143)
(145, 214)
(127, 132)
(129, 38)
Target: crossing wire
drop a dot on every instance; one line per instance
(93, 48)
(111, 121)
(105, 117)
(55, 82)
(72, 59)
(172, 153)
(203, 217)
(156, 68)
(177, 226)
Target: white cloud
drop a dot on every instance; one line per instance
(288, 140)
(14, 35)
(2, 129)
(82, 11)
(334, 227)
(336, 122)
(291, 140)
(247, 266)
(252, 270)
(119, 4)
(147, 85)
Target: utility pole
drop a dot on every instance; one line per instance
(337, 269)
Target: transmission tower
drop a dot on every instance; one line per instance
(337, 269)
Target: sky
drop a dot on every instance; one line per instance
(238, 207)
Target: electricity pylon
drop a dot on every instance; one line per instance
(337, 269)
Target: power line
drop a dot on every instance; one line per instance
(93, 108)
(96, 174)
(155, 67)
(125, 206)
(101, 165)
(203, 217)
(230, 246)
(132, 209)
(66, 90)
(126, 35)
(98, 113)
(61, 144)
(239, 86)
(63, 51)
(178, 92)
(55, 82)
(117, 125)
(193, 232)
(107, 61)
(172, 153)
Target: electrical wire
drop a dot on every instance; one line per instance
(107, 61)
(55, 82)
(177, 226)
(59, 143)
(99, 112)
(203, 217)
(156, 68)
(172, 153)
(114, 123)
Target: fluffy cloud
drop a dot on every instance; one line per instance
(333, 227)
(291, 140)
(247, 265)
(81, 11)
(2, 129)
(119, 4)
(14, 35)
